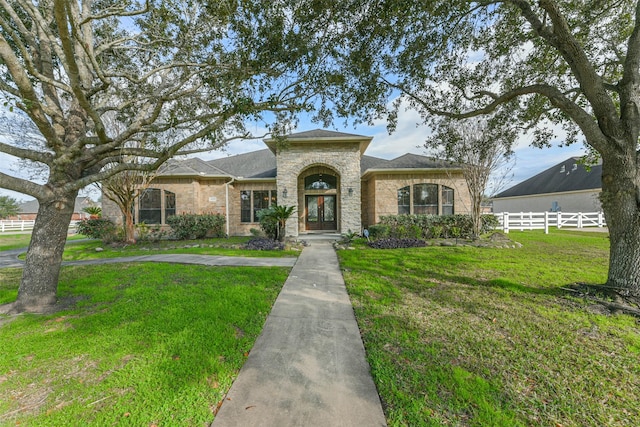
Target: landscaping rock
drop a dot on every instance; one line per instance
(99, 249)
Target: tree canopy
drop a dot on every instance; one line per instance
(567, 70)
(177, 76)
(8, 207)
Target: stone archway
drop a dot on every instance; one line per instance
(319, 187)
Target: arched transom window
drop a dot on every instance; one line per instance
(320, 181)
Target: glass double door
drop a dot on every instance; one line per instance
(321, 213)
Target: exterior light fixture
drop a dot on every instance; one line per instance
(284, 193)
(350, 191)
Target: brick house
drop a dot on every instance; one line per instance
(334, 186)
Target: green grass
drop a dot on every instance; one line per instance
(232, 246)
(21, 240)
(454, 336)
(86, 248)
(481, 337)
(144, 344)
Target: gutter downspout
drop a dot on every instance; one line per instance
(226, 203)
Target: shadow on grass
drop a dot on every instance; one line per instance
(493, 283)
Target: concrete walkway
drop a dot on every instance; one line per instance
(10, 259)
(308, 366)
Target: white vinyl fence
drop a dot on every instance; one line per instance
(7, 226)
(544, 220)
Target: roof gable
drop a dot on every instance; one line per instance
(568, 175)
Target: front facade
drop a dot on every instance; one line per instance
(568, 186)
(334, 187)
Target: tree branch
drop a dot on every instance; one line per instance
(36, 156)
(23, 186)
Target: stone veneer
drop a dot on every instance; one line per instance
(343, 158)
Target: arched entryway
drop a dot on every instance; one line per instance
(320, 186)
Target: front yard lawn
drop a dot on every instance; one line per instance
(479, 336)
(139, 344)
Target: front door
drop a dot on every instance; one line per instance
(321, 213)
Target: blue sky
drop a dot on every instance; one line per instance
(408, 138)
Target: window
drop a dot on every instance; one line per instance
(151, 207)
(169, 204)
(404, 201)
(320, 182)
(150, 211)
(251, 202)
(245, 206)
(260, 201)
(447, 201)
(425, 199)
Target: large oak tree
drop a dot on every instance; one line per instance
(535, 66)
(178, 75)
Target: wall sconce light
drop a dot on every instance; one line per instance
(350, 191)
(284, 193)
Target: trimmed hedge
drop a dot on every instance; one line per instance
(192, 226)
(428, 226)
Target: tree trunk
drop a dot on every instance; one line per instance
(621, 204)
(129, 226)
(39, 285)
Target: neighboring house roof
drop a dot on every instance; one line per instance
(32, 206)
(569, 175)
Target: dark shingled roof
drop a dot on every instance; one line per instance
(262, 164)
(565, 176)
(256, 164)
(416, 161)
(370, 162)
(189, 167)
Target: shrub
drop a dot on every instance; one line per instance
(379, 231)
(436, 231)
(150, 233)
(273, 220)
(348, 238)
(193, 226)
(489, 223)
(98, 228)
(264, 244)
(393, 243)
(432, 226)
(94, 211)
(268, 223)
